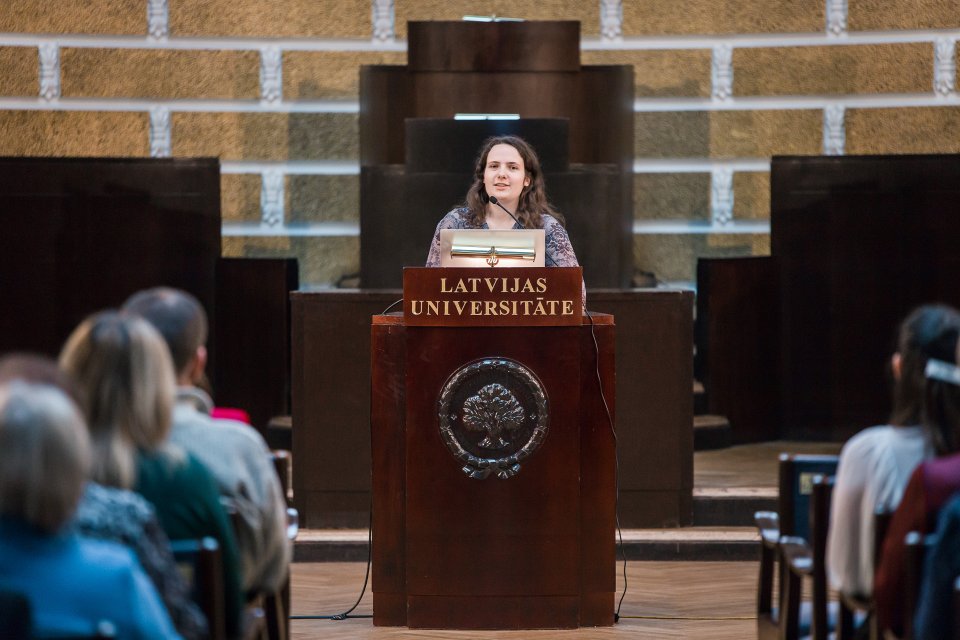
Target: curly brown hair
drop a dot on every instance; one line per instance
(533, 199)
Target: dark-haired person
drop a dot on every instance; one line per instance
(508, 169)
(235, 453)
(876, 464)
(931, 485)
(118, 515)
(73, 584)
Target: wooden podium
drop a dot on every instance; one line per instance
(493, 454)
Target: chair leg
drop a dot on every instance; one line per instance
(790, 607)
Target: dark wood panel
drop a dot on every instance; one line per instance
(654, 355)
(384, 103)
(443, 145)
(252, 329)
(82, 234)
(738, 344)
(526, 525)
(532, 550)
(388, 411)
(494, 46)
(331, 404)
(861, 240)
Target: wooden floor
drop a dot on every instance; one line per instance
(714, 600)
(665, 600)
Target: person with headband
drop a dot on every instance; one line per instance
(931, 485)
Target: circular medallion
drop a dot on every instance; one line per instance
(493, 414)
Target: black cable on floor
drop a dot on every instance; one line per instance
(616, 458)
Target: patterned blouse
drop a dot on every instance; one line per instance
(125, 517)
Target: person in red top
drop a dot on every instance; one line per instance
(930, 487)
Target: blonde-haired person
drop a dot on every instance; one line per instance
(74, 585)
(125, 375)
(118, 515)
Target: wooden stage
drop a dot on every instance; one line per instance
(664, 599)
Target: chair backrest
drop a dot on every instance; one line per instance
(797, 472)
(956, 609)
(15, 615)
(201, 563)
(283, 465)
(822, 497)
(916, 546)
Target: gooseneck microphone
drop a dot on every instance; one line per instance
(494, 200)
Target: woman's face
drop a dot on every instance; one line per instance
(504, 175)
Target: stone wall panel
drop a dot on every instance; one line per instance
(19, 71)
(671, 196)
(847, 69)
(266, 136)
(74, 133)
(323, 199)
(903, 130)
(655, 17)
(882, 15)
(277, 18)
(145, 73)
(240, 197)
(751, 195)
(101, 17)
(727, 134)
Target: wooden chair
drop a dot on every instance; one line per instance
(851, 606)
(15, 615)
(792, 519)
(956, 609)
(277, 605)
(201, 563)
(807, 559)
(916, 546)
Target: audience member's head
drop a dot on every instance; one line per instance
(44, 455)
(942, 407)
(181, 320)
(31, 367)
(929, 332)
(123, 369)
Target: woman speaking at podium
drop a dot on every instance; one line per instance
(508, 192)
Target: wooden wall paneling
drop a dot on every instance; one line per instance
(82, 234)
(388, 437)
(738, 344)
(597, 470)
(654, 356)
(331, 404)
(861, 240)
(252, 329)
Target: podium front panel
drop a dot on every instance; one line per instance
(453, 549)
(464, 533)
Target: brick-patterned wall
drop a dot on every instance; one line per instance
(270, 87)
